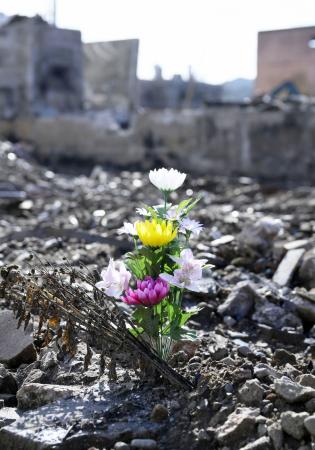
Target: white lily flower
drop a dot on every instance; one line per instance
(189, 273)
(191, 226)
(115, 279)
(128, 228)
(167, 180)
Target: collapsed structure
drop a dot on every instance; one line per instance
(41, 68)
(84, 101)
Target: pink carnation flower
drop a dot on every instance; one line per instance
(149, 292)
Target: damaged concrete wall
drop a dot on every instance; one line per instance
(110, 72)
(40, 68)
(272, 145)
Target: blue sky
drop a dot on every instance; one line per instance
(217, 38)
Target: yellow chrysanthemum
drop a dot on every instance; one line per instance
(156, 233)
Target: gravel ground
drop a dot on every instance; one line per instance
(253, 361)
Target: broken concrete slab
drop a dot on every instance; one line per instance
(59, 425)
(288, 266)
(8, 416)
(16, 344)
(34, 395)
(222, 241)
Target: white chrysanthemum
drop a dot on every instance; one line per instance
(128, 228)
(167, 180)
(192, 226)
(115, 279)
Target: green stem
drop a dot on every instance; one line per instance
(165, 193)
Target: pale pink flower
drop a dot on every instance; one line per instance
(191, 226)
(115, 279)
(189, 273)
(128, 228)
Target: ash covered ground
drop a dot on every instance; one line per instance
(253, 362)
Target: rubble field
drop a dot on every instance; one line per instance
(253, 364)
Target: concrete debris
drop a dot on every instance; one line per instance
(253, 362)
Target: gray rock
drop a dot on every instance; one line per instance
(8, 384)
(309, 424)
(240, 301)
(281, 357)
(48, 360)
(144, 444)
(293, 392)
(287, 266)
(262, 443)
(307, 270)
(310, 406)
(293, 423)
(16, 345)
(34, 395)
(121, 446)
(7, 416)
(263, 371)
(238, 425)
(307, 380)
(159, 413)
(251, 393)
(276, 435)
(305, 308)
(35, 376)
(268, 313)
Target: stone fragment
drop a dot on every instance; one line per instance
(159, 413)
(276, 435)
(293, 392)
(293, 423)
(33, 395)
(145, 444)
(263, 443)
(309, 424)
(238, 425)
(7, 416)
(251, 393)
(16, 345)
(240, 301)
(262, 371)
(121, 446)
(307, 270)
(281, 357)
(307, 380)
(275, 316)
(35, 376)
(287, 266)
(7, 381)
(305, 308)
(48, 360)
(310, 406)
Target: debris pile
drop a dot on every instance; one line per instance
(253, 363)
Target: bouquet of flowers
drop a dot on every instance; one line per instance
(154, 277)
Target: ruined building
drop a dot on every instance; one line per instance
(110, 74)
(40, 68)
(286, 57)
